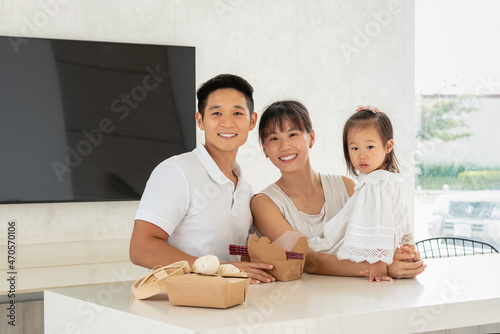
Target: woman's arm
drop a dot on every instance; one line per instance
(267, 217)
(270, 222)
(349, 185)
(328, 264)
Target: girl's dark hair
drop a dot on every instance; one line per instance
(365, 118)
(277, 114)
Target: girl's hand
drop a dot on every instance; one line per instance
(378, 277)
(255, 271)
(378, 272)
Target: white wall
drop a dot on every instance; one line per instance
(331, 55)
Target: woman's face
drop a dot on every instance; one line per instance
(289, 149)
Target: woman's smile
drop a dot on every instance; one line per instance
(288, 158)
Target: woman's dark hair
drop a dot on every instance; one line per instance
(363, 119)
(279, 113)
(220, 82)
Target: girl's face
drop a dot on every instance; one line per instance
(366, 149)
(289, 149)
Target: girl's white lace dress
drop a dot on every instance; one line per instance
(372, 224)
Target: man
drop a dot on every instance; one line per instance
(197, 203)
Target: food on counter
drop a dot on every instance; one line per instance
(207, 264)
(227, 269)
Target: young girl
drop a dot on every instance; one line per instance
(375, 220)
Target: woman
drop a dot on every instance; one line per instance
(304, 200)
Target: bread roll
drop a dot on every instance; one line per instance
(207, 264)
(227, 269)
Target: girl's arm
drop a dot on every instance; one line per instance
(271, 223)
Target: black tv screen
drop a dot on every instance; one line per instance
(89, 121)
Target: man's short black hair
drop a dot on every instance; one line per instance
(224, 81)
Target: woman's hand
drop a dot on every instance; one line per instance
(255, 271)
(410, 250)
(406, 264)
(401, 269)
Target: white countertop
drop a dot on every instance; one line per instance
(451, 293)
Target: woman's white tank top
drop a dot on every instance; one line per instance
(311, 225)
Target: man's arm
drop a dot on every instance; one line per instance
(148, 247)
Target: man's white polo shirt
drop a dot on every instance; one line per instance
(190, 198)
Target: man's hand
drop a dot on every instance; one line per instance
(255, 271)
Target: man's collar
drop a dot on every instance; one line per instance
(213, 170)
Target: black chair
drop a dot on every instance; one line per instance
(452, 246)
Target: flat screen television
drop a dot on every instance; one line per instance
(89, 121)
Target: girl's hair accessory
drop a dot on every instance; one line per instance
(371, 108)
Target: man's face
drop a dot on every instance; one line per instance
(227, 120)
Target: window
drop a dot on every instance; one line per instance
(457, 187)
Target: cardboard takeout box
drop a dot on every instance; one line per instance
(207, 290)
(154, 283)
(284, 269)
(190, 289)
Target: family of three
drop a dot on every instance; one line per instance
(198, 203)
